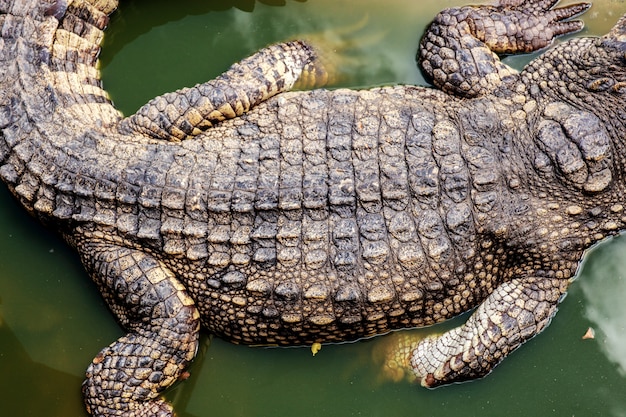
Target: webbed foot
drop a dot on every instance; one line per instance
(337, 52)
(393, 354)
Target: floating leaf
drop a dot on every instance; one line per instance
(590, 334)
(316, 347)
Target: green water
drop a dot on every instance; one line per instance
(52, 320)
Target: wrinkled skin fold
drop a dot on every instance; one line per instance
(267, 216)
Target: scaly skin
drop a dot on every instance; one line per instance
(274, 217)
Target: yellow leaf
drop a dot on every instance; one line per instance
(591, 334)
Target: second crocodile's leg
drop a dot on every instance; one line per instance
(188, 112)
(459, 50)
(163, 324)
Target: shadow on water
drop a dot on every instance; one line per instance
(141, 16)
(52, 320)
(42, 390)
(193, 48)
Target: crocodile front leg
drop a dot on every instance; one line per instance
(515, 312)
(458, 51)
(125, 378)
(188, 112)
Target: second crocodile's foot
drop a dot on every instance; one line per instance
(529, 25)
(512, 26)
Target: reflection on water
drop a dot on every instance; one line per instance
(207, 44)
(24, 378)
(53, 321)
(605, 292)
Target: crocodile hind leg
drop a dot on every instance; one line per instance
(188, 112)
(515, 312)
(126, 377)
(459, 50)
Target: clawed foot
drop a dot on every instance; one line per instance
(394, 352)
(459, 52)
(532, 24)
(337, 50)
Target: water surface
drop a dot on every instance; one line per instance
(52, 320)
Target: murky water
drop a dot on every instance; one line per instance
(52, 320)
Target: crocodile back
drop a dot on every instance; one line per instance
(319, 216)
(316, 216)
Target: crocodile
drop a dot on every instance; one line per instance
(269, 216)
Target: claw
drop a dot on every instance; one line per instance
(557, 16)
(545, 6)
(567, 27)
(563, 13)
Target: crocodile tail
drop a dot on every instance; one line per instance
(55, 45)
(50, 92)
(74, 58)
